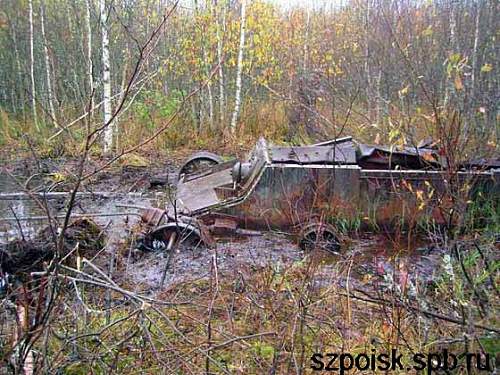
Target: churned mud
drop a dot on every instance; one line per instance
(368, 263)
(229, 256)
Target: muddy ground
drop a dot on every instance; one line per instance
(371, 258)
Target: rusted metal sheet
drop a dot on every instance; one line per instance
(206, 192)
(380, 157)
(288, 195)
(395, 198)
(195, 195)
(338, 154)
(153, 216)
(287, 187)
(483, 164)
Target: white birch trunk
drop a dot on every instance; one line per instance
(449, 88)
(19, 70)
(222, 106)
(379, 98)
(210, 99)
(32, 65)
(50, 96)
(237, 100)
(474, 52)
(108, 130)
(306, 39)
(90, 74)
(367, 62)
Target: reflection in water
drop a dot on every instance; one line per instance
(10, 230)
(13, 229)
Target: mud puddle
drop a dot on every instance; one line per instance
(22, 216)
(232, 257)
(370, 262)
(374, 262)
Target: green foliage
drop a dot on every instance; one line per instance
(346, 225)
(153, 105)
(282, 48)
(263, 350)
(483, 211)
(491, 345)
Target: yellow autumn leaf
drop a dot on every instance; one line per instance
(486, 68)
(134, 160)
(428, 31)
(366, 278)
(404, 90)
(57, 177)
(420, 195)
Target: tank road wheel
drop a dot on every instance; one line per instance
(165, 237)
(199, 162)
(319, 236)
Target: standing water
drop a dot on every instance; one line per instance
(20, 208)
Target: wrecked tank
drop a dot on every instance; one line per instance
(313, 192)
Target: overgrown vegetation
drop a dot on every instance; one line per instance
(273, 319)
(383, 71)
(376, 70)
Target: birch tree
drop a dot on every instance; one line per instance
(19, 71)
(50, 96)
(451, 45)
(32, 64)
(449, 88)
(239, 69)
(90, 74)
(205, 68)
(306, 39)
(218, 35)
(106, 83)
(475, 49)
(367, 61)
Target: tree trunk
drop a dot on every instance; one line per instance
(237, 100)
(367, 62)
(32, 66)
(474, 53)
(222, 106)
(90, 74)
(207, 72)
(106, 82)
(50, 97)
(18, 68)
(123, 89)
(449, 88)
(209, 85)
(306, 39)
(379, 98)
(210, 105)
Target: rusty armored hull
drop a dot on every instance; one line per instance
(319, 188)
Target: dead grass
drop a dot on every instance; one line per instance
(267, 320)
